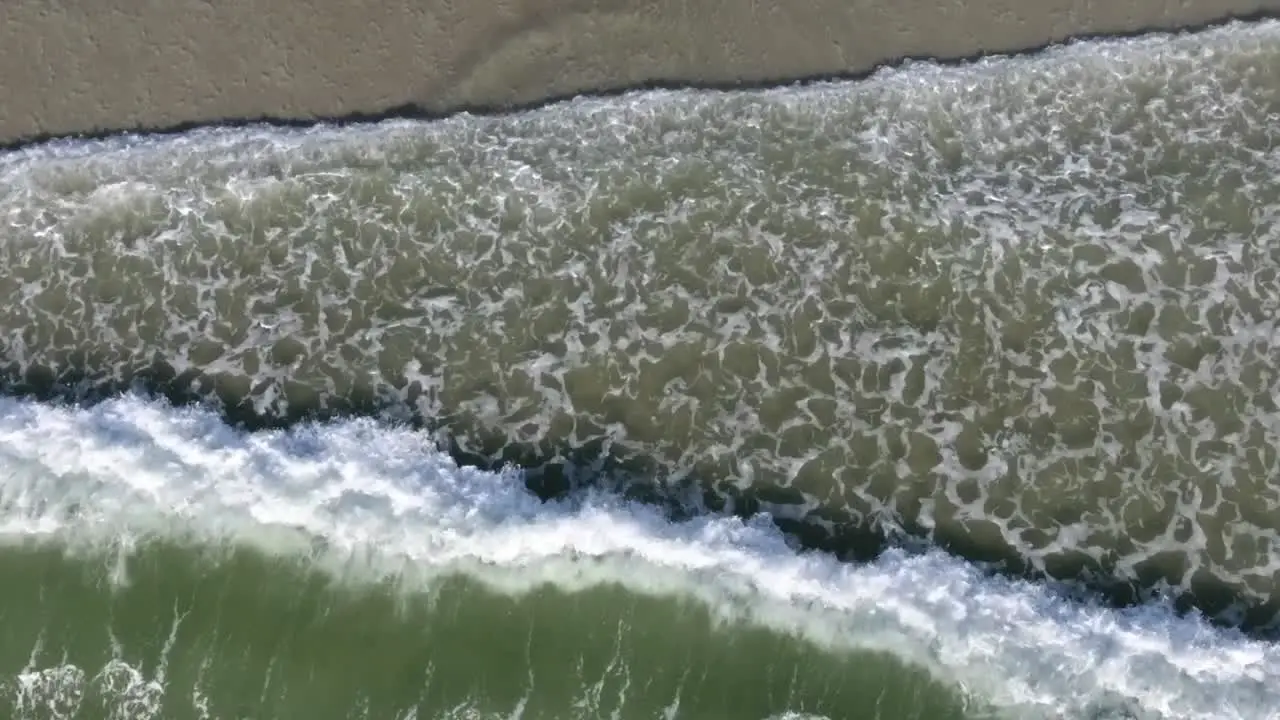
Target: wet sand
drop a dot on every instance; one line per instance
(79, 67)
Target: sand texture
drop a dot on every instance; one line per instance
(76, 66)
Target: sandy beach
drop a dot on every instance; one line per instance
(72, 68)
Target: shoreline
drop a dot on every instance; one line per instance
(83, 97)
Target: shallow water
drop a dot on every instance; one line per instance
(1020, 311)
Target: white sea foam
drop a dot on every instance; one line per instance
(1028, 299)
(381, 499)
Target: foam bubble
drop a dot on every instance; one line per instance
(379, 500)
(128, 691)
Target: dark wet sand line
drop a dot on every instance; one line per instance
(101, 68)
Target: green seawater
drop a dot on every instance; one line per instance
(179, 632)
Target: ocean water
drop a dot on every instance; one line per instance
(947, 393)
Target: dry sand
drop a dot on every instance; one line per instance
(77, 66)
